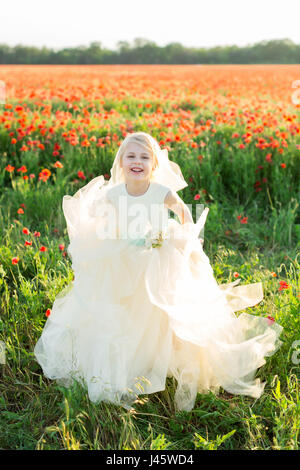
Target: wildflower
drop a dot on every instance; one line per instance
(25, 230)
(37, 234)
(44, 174)
(244, 220)
(32, 175)
(235, 274)
(283, 285)
(61, 246)
(48, 312)
(81, 175)
(20, 211)
(269, 157)
(273, 274)
(197, 197)
(58, 165)
(43, 248)
(239, 217)
(27, 243)
(13, 141)
(9, 168)
(283, 165)
(22, 169)
(15, 260)
(270, 320)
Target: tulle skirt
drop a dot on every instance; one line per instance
(135, 315)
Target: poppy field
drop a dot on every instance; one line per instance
(235, 132)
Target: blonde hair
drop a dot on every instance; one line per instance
(144, 139)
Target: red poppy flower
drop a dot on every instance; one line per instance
(283, 285)
(197, 197)
(15, 260)
(20, 211)
(9, 168)
(48, 312)
(235, 274)
(270, 320)
(44, 174)
(22, 169)
(25, 230)
(27, 243)
(43, 248)
(37, 234)
(81, 175)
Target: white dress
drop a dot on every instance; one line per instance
(140, 310)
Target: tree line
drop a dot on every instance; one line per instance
(143, 51)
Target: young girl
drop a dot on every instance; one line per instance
(144, 303)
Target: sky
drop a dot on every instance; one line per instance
(193, 23)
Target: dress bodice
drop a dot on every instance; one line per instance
(140, 215)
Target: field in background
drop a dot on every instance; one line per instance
(235, 132)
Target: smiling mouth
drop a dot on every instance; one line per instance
(136, 170)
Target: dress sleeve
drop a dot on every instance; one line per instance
(162, 191)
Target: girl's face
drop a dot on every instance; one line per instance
(137, 162)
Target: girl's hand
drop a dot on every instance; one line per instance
(176, 205)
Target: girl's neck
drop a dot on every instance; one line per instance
(137, 188)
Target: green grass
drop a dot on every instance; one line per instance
(37, 413)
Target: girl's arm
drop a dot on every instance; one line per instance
(176, 204)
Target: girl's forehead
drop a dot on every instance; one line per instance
(137, 148)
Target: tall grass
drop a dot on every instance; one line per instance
(37, 413)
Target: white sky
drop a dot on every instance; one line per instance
(198, 23)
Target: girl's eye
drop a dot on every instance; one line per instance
(131, 156)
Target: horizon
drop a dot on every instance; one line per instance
(196, 25)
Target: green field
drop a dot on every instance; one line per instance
(36, 413)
